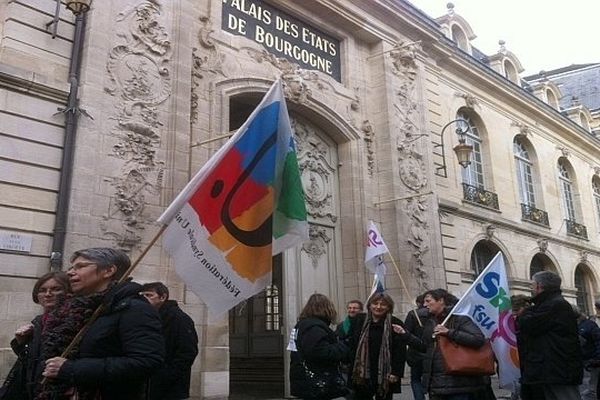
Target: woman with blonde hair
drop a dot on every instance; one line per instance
(317, 352)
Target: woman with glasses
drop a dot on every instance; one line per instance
(49, 291)
(119, 350)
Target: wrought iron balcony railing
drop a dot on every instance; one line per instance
(530, 213)
(575, 229)
(480, 196)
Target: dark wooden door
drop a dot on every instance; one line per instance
(256, 342)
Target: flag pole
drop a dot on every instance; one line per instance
(404, 286)
(101, 307)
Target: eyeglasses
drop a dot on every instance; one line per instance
(78, 266)
(52, 290)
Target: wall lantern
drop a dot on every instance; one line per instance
(78, 6)
(462, 149)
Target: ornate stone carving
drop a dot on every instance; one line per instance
(597, 171)
(369, 136)
(542, 244)
(316, 171)
(583, 256)
(490, 230)
(418, 238)
(470, 100)
(412, 168)
(403, 59)
(207, 59)
(317, 245)
(523, 129)
(564, 151)
(139, 80)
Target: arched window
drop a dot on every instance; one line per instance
(566, 190)
(460, 38)
(510, 72)
(551, 97)
(482, 254)
(540, 262)
(473, 174)
(596, 189)
(584, 122)
(524, 173)
(582, 285)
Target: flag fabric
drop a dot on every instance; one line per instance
(375, 247)
(487, 303)
(245, 205)
(379, 277)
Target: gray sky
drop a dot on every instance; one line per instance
(543, 34)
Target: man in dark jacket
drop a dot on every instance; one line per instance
(589, 339)
(548, 342)
(122, 347)
(172, 380)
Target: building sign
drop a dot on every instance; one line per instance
(283, 35)
(13, 241)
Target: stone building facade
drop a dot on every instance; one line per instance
(371, 88)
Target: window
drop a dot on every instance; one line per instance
(460, 38)
(551, 97)
(524, 173)
(596, 189)
(510, 72)
(566, 190)
(482, 254)
(473, 174)
(581, 285)
(584, 122)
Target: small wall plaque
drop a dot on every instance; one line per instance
(15, 241)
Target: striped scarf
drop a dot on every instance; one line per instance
(362, 367)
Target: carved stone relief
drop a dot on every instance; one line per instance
(316, 171)
(542, 245)
(139, 81)
(470, 100)
(490, 230)
(411, 164)
(317, 244)
(564, 151)
(523, 129)
(368, 137)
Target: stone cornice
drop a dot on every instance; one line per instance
(22, 81)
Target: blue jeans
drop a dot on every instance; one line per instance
(416, 373)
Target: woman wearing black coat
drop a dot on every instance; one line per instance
(49, 291)
(121, 348)
(459, 329)
(317, 346)
(379, 344)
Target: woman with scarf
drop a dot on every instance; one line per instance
(316, 348)
(461, 330)
(49, 291)
(120, 348)
(380, 342)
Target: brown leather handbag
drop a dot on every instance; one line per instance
(463, 360)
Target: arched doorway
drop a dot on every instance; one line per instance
(257, 327)
(584, 288)
(541, 262)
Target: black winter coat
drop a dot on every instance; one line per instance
(319, 346)
(397, 342)
(589, 339)
(121, 348)
(28, 368)
(172, 380)
(548, 342)
(462, 331)
(414, 357)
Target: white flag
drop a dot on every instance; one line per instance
(487, 303)
(375, 246)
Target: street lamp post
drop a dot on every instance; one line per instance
(462, 149)
(78, 6)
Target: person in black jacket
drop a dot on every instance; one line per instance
(49, 291)
(459, 329)
(121, 348)
(379, 343)
(172, 380)
(548, 342)
(589, 340)
(316, 348)
(414, 358)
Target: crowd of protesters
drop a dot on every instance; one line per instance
(119, 329)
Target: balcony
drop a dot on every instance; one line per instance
(535, 215)
(481, 197)
(575, 229)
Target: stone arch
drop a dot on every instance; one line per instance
(585, 285)
(543, 261)
(468, 251)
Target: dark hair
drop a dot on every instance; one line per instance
(442, 294)
(548, 280)
(319, 306)
(519, 301)
(420, 300)
(360, 303)
(104, 258)
(59, 276)
(157, 287)
(384, 297)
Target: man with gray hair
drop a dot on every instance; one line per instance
(549, 351)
